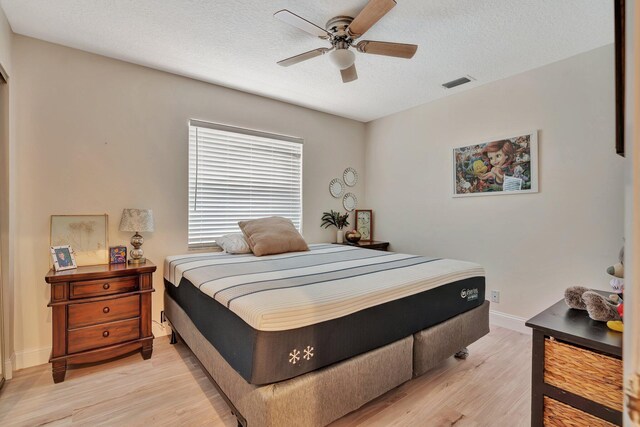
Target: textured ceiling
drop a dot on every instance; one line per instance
(236, 43)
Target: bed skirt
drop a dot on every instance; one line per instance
(322, 396)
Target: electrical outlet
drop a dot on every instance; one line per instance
(495, 297)
(162, 317)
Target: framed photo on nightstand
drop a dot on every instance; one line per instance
(63, 258)
(364, 224)
(117, 254)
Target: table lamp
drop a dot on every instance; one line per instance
(137, 220)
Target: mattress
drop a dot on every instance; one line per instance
(279, 316)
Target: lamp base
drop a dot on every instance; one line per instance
(136, 254)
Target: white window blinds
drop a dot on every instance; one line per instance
(238, 174)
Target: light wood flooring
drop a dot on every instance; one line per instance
(490, 388)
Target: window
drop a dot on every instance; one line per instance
(238, 174)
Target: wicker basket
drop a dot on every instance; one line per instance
(588, 374)
(561, 415)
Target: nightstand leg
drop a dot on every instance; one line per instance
(58, 371)
(147, 349)
(537, 379)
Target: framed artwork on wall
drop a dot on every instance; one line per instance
(364, 224)
(505, 165)
(87, 234)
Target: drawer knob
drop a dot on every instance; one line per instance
(105, 334)
(106, 310)
(105, 286)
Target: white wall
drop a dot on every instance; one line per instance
(98, 135)
(533, 246)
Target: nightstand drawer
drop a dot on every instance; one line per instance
(96, 288)
(592, 375)
(92, 313)
(97, 336)
(559, 414)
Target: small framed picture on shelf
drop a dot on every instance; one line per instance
(63, 258)
(364, 224)
(117, 254)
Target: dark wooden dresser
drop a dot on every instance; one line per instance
(100, 312)
(576, 371)
(369, 244)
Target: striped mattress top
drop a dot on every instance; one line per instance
(292, 290)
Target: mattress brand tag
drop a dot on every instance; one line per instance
(469, 294)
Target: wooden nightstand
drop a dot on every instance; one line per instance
(577, 369)
(371, 244)
(100, 312)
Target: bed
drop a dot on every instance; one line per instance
(335, 325)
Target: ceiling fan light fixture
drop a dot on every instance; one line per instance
(342, 58)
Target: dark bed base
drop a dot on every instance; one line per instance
(258, 355)
(337, 387)
(242, 422)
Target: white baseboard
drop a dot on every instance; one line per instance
(160, 330)
(509, 321)
(9, 364)
(40, 356)
(32, 357)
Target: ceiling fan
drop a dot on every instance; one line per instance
(342, 33)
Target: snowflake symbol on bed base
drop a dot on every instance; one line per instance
(294, 356)
(308, 353)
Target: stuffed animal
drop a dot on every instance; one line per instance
(573, 297)
(616, 270)
(598, 307)
(617, 284)
(602, 309)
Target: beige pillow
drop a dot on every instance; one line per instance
(272, 235)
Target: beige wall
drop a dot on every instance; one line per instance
(5, 42)
(7, 211)
(532, 245)
(98, 135)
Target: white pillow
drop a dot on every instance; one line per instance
(234, 244)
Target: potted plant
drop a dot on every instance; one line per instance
(337, 220)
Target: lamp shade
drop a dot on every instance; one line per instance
(137, 220)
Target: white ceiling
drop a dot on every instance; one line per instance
(236, 43)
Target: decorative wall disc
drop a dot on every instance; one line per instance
(336, 187)
(350, 176)
(350, 202)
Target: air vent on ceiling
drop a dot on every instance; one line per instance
(457, 82)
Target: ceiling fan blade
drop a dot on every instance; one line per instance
(303, 56)
(299, 22)
(371, 14)
(399, 50)
(349, 74)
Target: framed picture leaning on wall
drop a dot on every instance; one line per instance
(505, 165)
(364, 224)
(87, 234)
